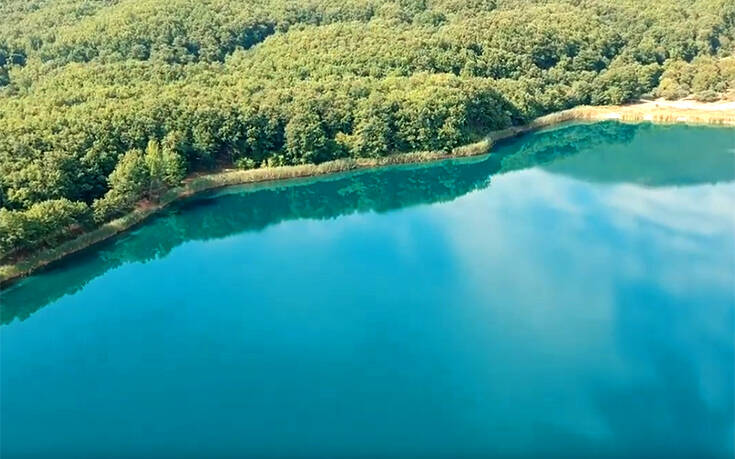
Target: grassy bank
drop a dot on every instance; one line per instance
(649, 111)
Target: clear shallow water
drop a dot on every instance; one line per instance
(571, 295)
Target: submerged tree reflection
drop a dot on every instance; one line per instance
(219, 215)
(254, 208)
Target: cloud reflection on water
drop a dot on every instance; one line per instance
(633, 283)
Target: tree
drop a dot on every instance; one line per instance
(154, 163)
(306, 138)
(374, 133)
(174, 167)
(131, 177)
(706, 76)
(671, 89)
(128, 183)
(43, 224)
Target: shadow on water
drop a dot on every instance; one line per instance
(644, 154)
(608, 152)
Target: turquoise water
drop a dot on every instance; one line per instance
(571, 295)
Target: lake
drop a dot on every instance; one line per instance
(570, 295)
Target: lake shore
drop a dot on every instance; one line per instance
(659, 111)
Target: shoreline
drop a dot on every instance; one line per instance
(660, 112)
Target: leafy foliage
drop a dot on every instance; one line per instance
(107, 102)
(705, 77)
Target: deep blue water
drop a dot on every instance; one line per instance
(571, 295)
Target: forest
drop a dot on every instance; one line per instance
(104, 103)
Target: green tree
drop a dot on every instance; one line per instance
(174, 167)
(156, 168)
(131, 176)
(306, 138)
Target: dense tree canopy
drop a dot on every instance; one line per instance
(106, 102)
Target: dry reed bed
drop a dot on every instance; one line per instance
(192, 186)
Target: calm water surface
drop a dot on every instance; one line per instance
(572, 295)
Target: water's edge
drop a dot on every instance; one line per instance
(194, 186)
